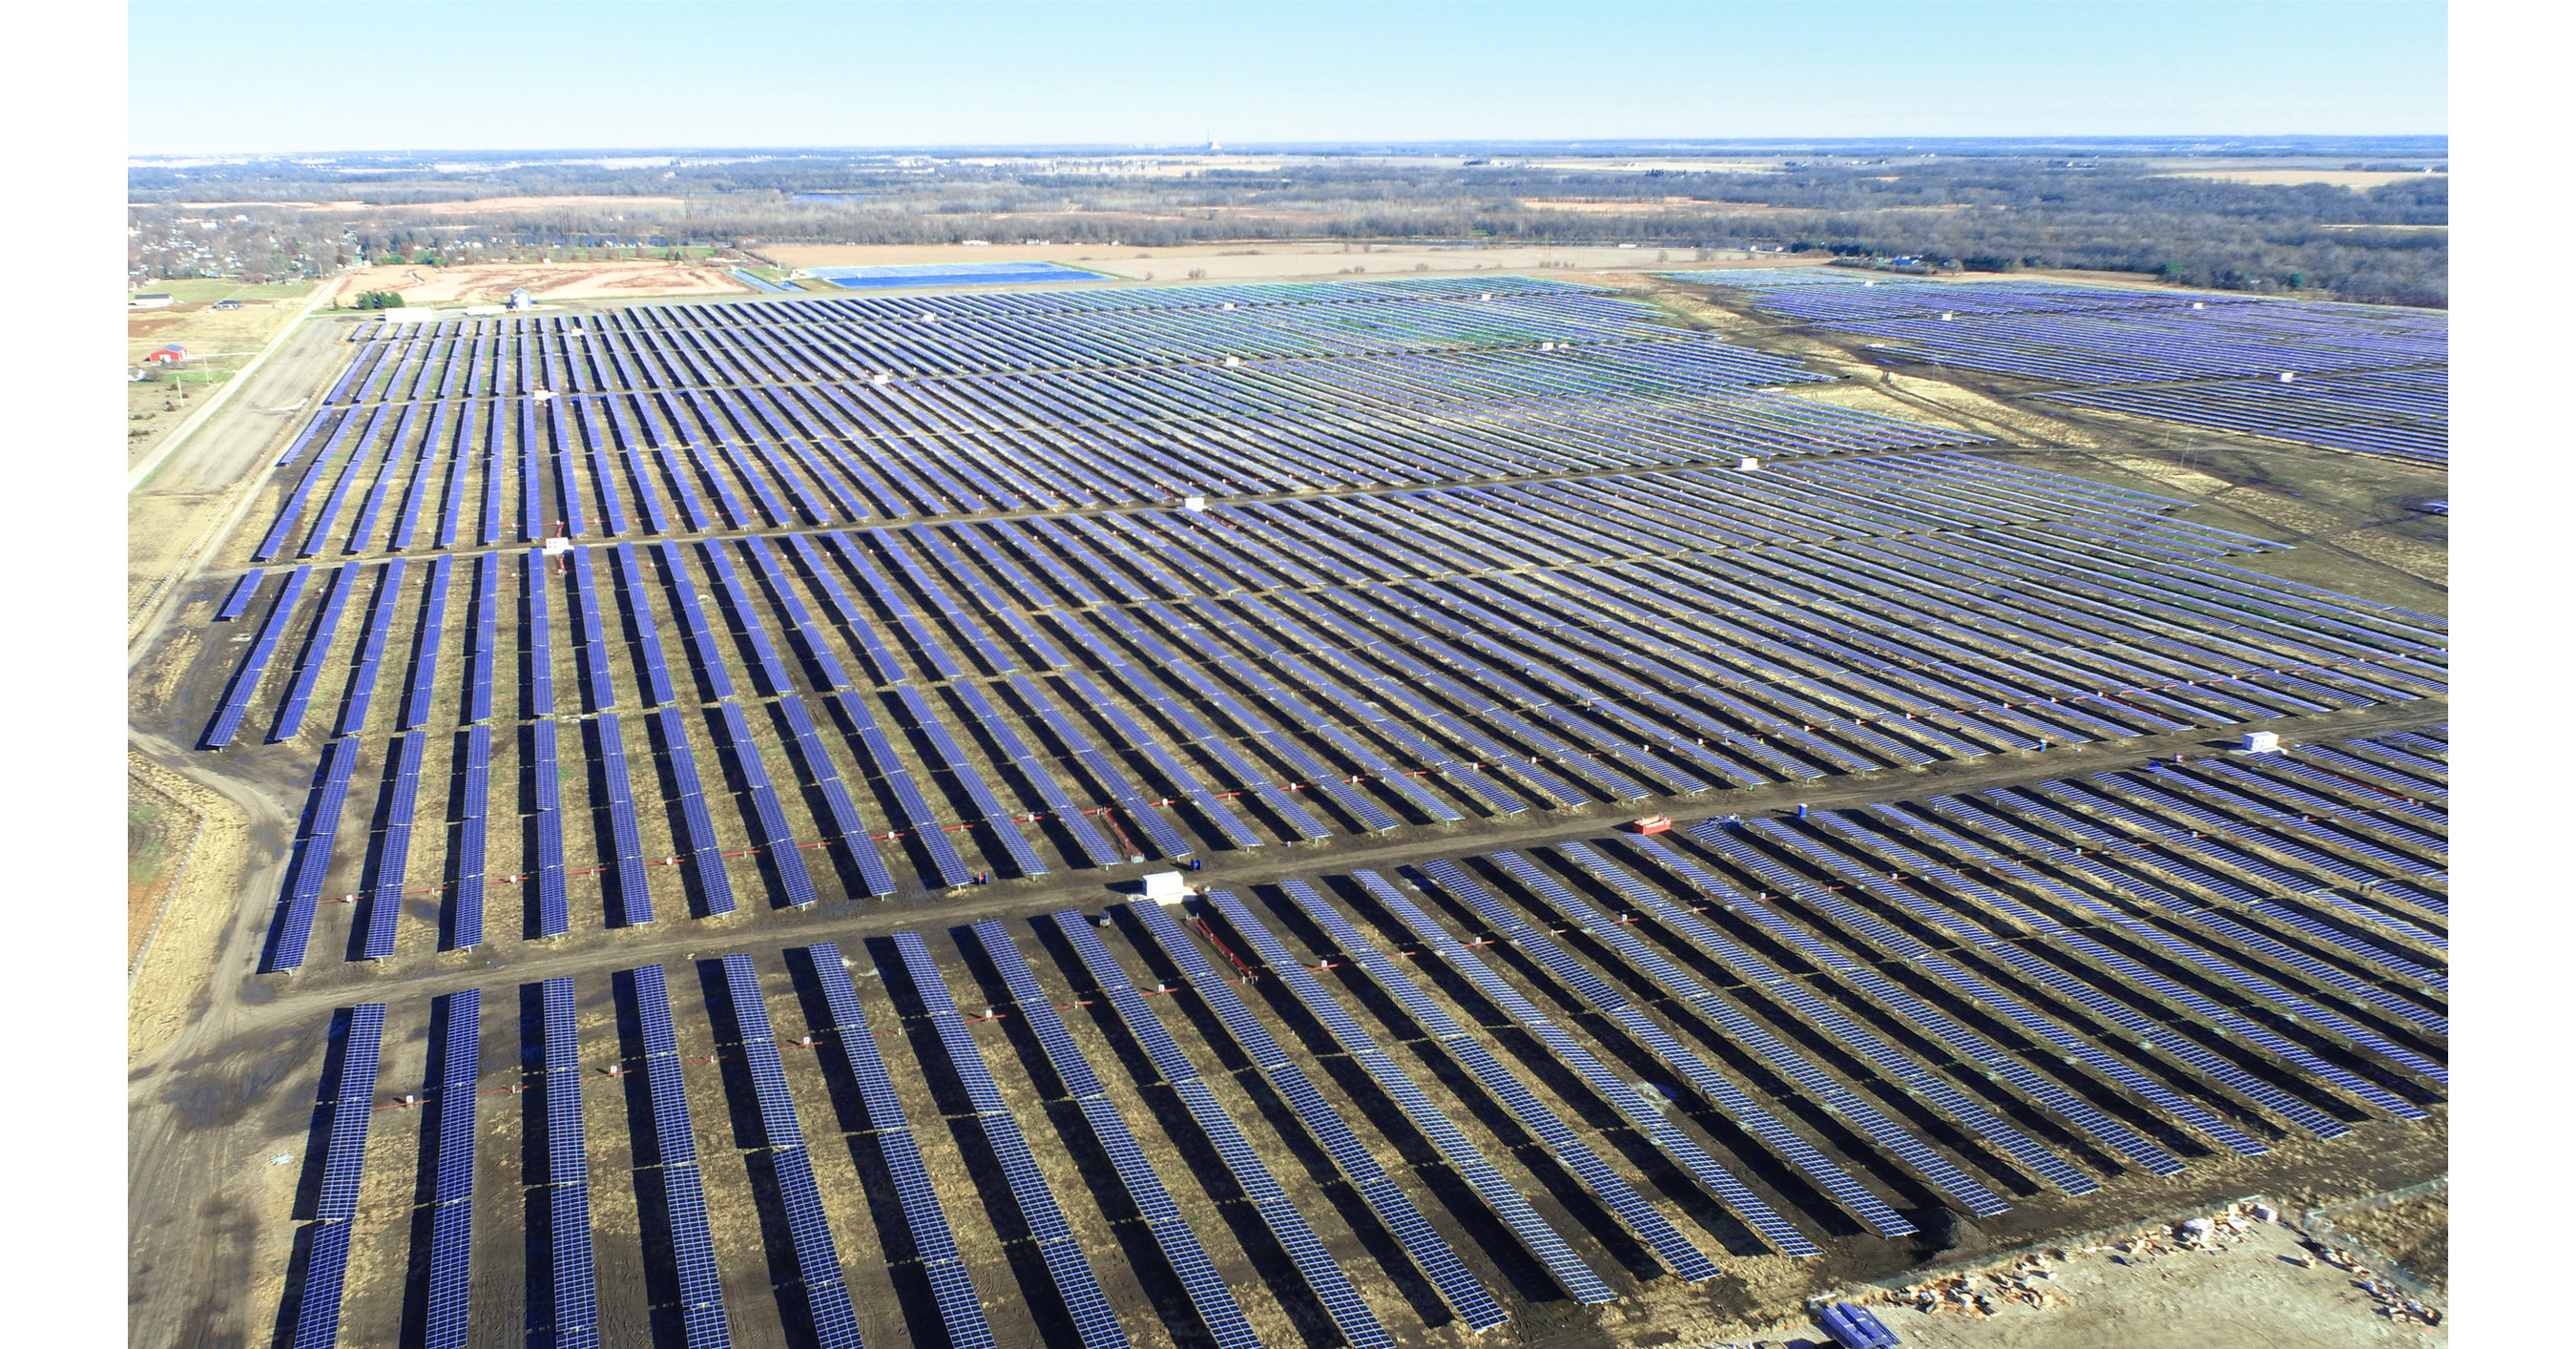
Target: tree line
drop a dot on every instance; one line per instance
(1991, 212)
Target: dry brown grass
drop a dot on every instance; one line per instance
(491, 283)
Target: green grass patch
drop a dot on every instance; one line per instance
(208, 289)
(144, 854)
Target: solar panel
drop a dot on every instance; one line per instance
(818, 1262)
(1462, 1156)
(1959, 812)
(675, 1149)
(1534, 1115)
(1944, 1175)
(576, 1303)
(452, 1225)
(326, 1268)
(881, 659)
(1074, 1281)
(1913, 1076)
(2347, 984)
(775, 839)
(313, 857)
(317, 646)
(246, 680)
(540, 639)
(2148, 1034)
(352, 1105)
(997, 817)
(393, 851)
(1950, 883)
(1433, 1257)
(773, 676)
(371, 649)
(1094, 846)
(1328, 1282)
(2012, 1009)
(473, 804)
(917, 814)
(799, 623)
(647, 631)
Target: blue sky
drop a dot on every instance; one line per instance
(226, 77)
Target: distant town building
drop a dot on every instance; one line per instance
(149, 302)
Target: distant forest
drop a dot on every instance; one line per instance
(1991, 212)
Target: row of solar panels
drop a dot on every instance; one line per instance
(2062, 723)
(884, 665)
(2400, 413)
(751, 339)
(1663, 369)
(574, 1312)
(1024, 302)
(690, 445)
(2131, 1015)
(2104, 334)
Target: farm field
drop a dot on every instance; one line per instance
(491, 283)
(700, 762)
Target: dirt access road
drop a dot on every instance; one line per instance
(194, 492)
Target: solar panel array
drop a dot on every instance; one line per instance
(1327, 1281)
(1484, 676)
(1650, 1225)
(1463, 1157)
(675, 1150)
(575, 1310)
(818, 1261)
(326, 1264)
(1889, 1135)
(1209, 1297)
(933, 1244)
(1459, 1288)
(2347, 377)
(1475, 553)
(451, 1231)
(237, 699)
(1093, 1322)
(2154, 967)
(813, 445)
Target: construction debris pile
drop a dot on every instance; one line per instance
(1983, 1295)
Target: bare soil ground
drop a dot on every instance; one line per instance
(2251, 1293)
(2416, 1234)
(491, 283)
(187, 924)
